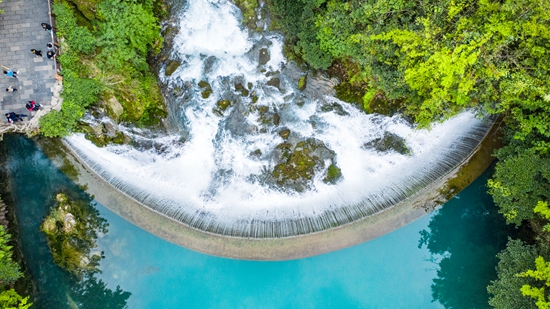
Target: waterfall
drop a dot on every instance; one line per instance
(221, 173)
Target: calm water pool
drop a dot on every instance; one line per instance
(141, 270)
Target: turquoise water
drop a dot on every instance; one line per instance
(141, 270)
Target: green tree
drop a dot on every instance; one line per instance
(9, 270)
(9, 299)
(506, 289)
(541, 273)
(519, 182)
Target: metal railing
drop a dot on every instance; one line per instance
(57, 66)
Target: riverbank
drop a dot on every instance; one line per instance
(280, 248)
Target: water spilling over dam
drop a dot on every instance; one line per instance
(253, 156)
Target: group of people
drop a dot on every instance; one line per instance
(31, 106)
(12, 117)
(51, 46)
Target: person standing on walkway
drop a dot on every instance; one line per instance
(47, 27)
(52, 46)
(50, 54)
(10, 73)
(38, 53)
(32, 106)
(11, 89)
(13, 117)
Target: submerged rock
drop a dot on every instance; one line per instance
(237, 122)
(334, 107)
(264, 56)
(275, 82)
(172, 66)
(389, 142)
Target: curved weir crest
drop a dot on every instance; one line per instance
(221, 173)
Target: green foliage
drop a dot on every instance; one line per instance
(541, 273)
(9, 270)
(9, 299)
(128, 30)
(108, 60)
(297, 19)
(506, 289)
(518, 184)
(80, 37)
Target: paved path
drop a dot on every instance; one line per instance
(20, 31)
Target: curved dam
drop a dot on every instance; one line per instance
(252, 157)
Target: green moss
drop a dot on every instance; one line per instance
(333, 174)
(171, 67)
(86, 7)
(248, 8)
(204, 84)
(302, 83)
(299, 166)
(240, 88)
(348, 93)
(223, 104)
(207, 89)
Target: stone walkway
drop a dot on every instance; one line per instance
(21, 31)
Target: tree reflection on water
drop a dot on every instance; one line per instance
(463, 238)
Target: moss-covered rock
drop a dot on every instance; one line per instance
(172, 66)
(264, 56)
(86, 7)
(349, 93)
(207, 89)
(102, 134)
(248, 8)
(223, 104)
(333, 174)
(389, 142)
(284, 133)
(297, 162)
(71, 230)
(240, 88)
(334, 107)
(302, 83)
(275, 82)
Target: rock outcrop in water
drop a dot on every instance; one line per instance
(298, 160)
(389, 142)
(71, 231)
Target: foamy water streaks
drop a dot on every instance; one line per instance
(214, 183)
